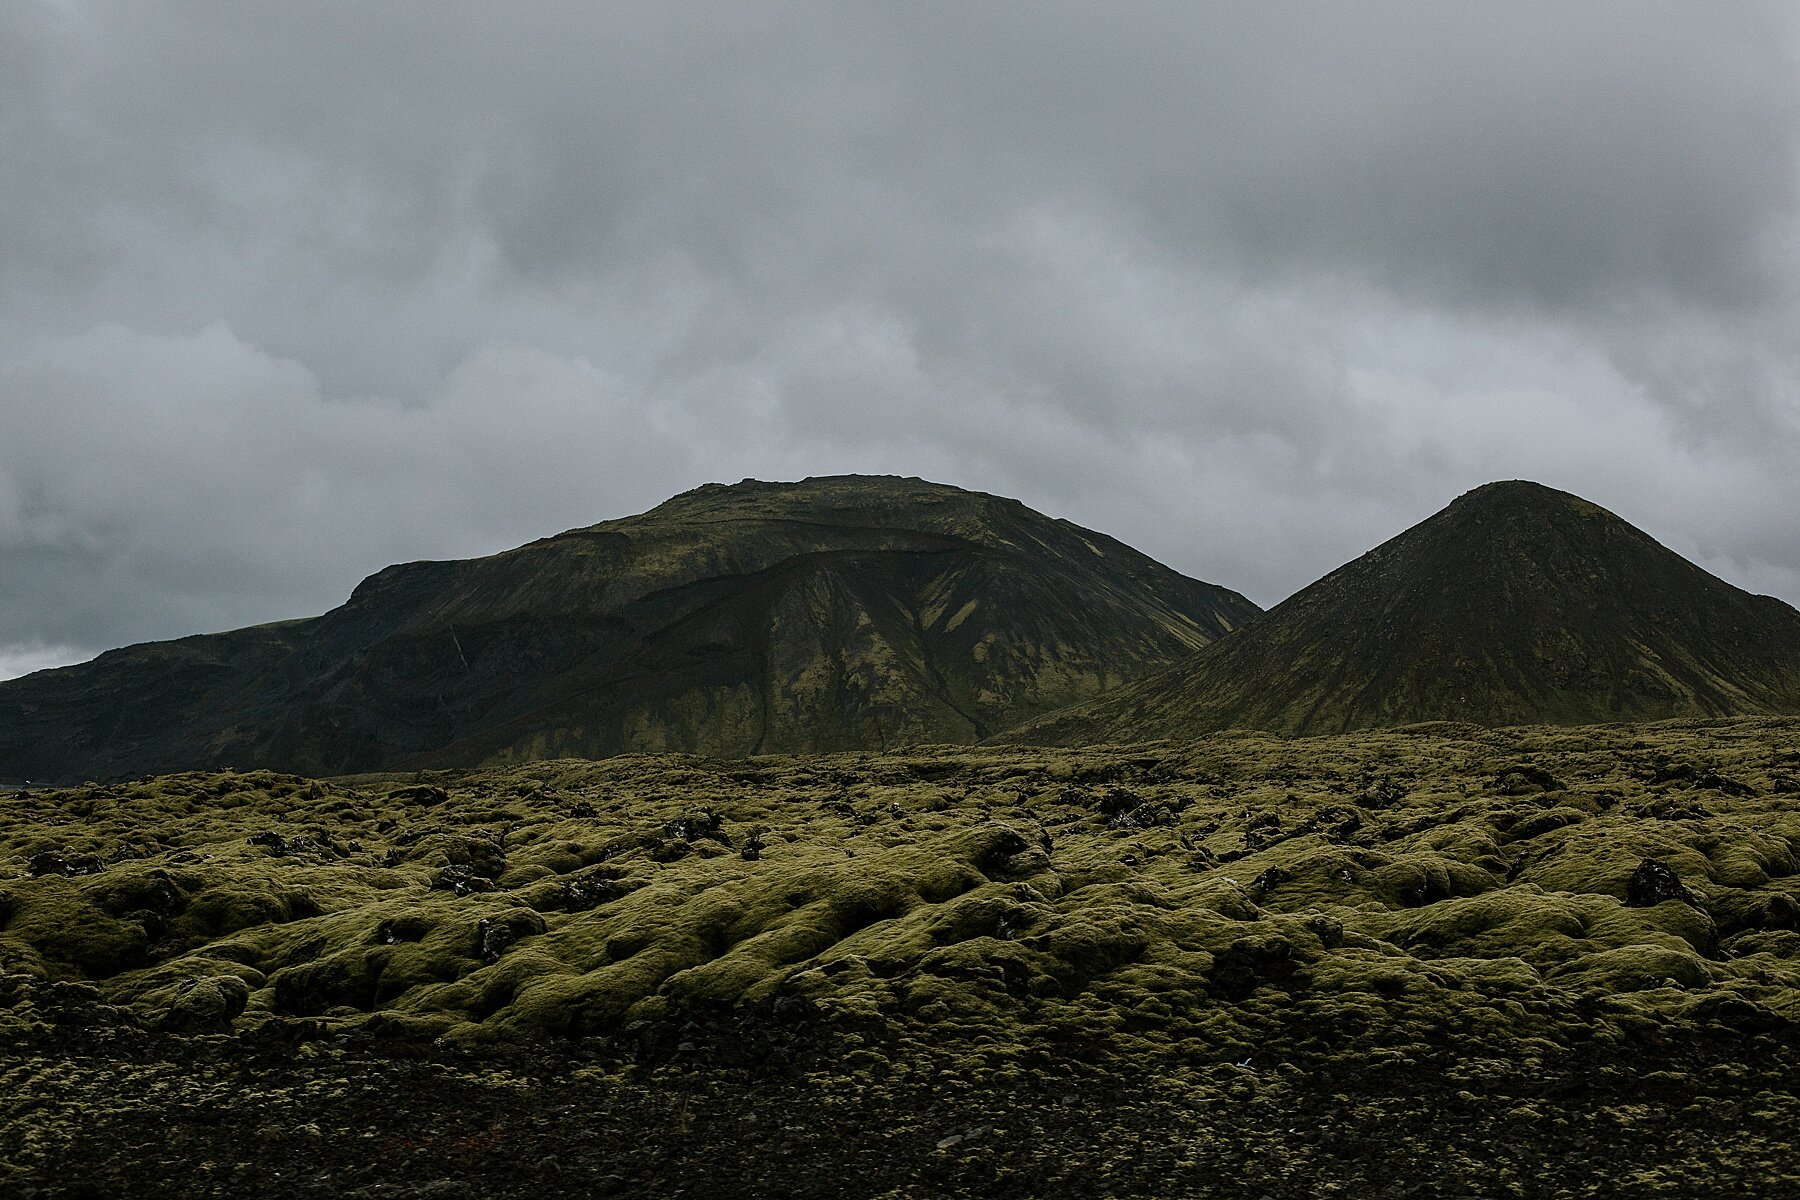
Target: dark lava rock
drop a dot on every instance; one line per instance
(1262, 831)
(772, 1032)
(583, 809)
(1249, 962)
(49, 862)
(1525, 779)
(1117, 801)
(1517, 866)
(1145, 816)
(1725, 784)
(495, 934)
(1335, 821)
(1270, 879)
(492, 937)
(1002, 845)
(705, 825)
(1654, 882)
(753, 846)
(581, 893)
(461, 879)
(281, 847)
(1700, 777)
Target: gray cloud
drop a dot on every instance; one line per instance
(289, 292)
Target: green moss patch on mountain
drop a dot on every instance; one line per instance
(1515, 605)
(836, 614)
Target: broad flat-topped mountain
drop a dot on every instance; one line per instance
(1517, 604)
(835, 614)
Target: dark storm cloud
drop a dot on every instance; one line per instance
(291, 291)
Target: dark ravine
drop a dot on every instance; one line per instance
(844, 613)
(1516, 604)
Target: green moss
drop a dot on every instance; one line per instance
(1366, 887)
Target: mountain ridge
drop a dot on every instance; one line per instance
(835, 613)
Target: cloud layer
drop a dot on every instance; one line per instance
(291, 292)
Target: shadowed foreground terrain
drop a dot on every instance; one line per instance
(1441, 961)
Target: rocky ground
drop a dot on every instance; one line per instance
(1433, 962)
(219, 1117)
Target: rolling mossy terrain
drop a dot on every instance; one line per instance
(845, 613)
(1442, 960)
(1516, 604)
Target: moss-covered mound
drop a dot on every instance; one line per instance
(1518, 888)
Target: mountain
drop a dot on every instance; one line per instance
(1516, 604)
(843, 613)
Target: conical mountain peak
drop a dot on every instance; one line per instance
(1518, 494)
(1515, 604)
(1524, 507)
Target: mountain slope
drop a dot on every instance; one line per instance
(840, 613)
(1516, 604)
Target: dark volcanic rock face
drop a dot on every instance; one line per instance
(1515, 605)
(843, 613)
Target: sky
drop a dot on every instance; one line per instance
(290, 292)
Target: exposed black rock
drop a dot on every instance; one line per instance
(590, 889)
(1652, 883)
(697, 826)
(49, 862)
(461, 879)
(494, 935)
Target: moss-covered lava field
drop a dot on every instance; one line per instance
(1434, 961)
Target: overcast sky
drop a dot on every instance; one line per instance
(289, 292)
